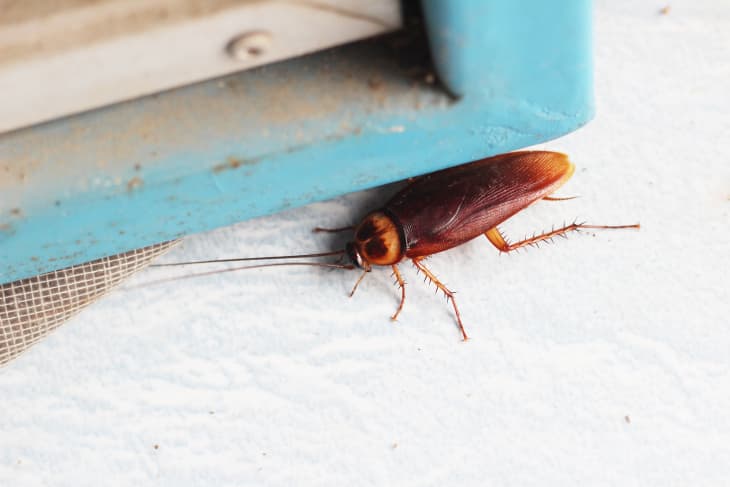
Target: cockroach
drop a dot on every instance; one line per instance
(444, 209)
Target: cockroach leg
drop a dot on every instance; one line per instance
(498, 240)
(556, 198)
(332, 230)
(449, 294)
(402, 285)
(359, 280)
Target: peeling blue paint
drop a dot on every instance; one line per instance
(308, 129)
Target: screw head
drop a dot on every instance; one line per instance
(249, 45)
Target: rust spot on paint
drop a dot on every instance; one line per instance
(134, 183)
(6, 228)
(375, 83)
(234, 163)
(16, 212)
(138, 167)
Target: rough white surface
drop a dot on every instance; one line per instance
(595, 361)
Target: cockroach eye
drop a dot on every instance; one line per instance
(355, 257)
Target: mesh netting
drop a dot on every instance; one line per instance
(33, 307)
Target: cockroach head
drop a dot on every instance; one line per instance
(354, 255)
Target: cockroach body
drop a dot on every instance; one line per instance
(445, 209)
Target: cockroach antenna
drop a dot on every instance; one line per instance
(243, 268)
(249, 259)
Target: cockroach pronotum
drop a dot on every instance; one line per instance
(443, 210)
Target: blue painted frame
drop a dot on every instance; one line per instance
(287, 134)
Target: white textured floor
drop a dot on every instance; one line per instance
(601, 360)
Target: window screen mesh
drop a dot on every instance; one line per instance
(33, 307)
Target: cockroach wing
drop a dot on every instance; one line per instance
(449, 207)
